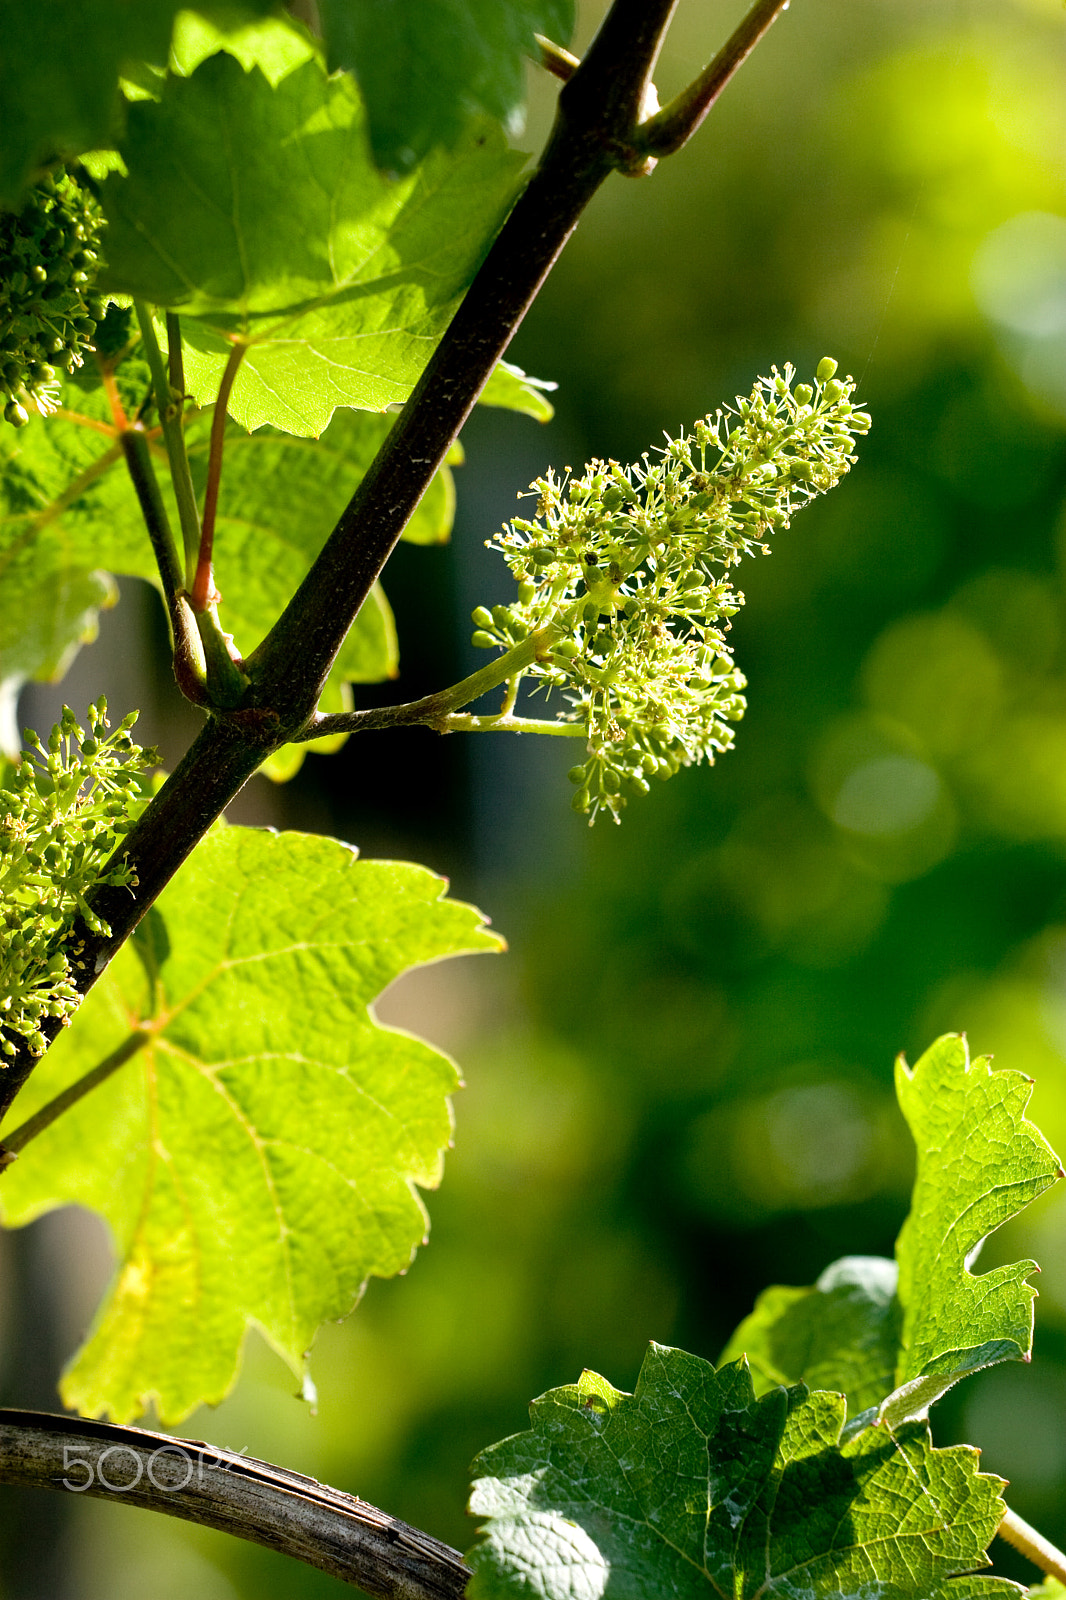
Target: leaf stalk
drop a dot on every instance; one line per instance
(1040, 1551)
(170, 419)
(434, 710)
(190, 666)
(203, 586)
(19, 1137)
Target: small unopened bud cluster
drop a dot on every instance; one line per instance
(62, 815)
(632, 567)
(49, 261)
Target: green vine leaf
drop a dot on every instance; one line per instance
(423, 70)
(256, 212)
(980, 1162)
(68, 519)
(60, 72)
(842, 1334)
(692, 1487)
(896, 1335)
(513, 390)
(258, 1158)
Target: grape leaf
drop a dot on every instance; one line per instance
(257, 1159)
(842, 1334)
(68, 517)
(899, 1345)
(693, 1487)
(275, 44)
(980, 1162)
(60, 69)
(256, 212)
(256, 400)
(514, 390)
(423, 69)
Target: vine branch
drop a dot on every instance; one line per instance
(597, 131)
(667, 130)
(285, 1511)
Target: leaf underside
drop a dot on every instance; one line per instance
(60, 70)
(258, 1159)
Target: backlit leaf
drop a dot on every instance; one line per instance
(60, 68)
(258, 1158)
(896, 1335)
(255, 211)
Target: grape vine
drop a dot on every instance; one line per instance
(220, 272)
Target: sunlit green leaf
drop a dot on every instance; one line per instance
(256, 212)
(258, 1159)
(898, 1345)
(513, 389)
(68, 518)
(980, 1162)
(693, 1487)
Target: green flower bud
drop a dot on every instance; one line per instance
(482, 640)
(576, 775)
(827, 369)
(804, 394)
(481, 617)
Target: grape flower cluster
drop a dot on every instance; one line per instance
(49, 261)
(62, 814)
(631, 567)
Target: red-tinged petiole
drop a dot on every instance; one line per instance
(203, 592)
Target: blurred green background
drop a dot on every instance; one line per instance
(679, 1080)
